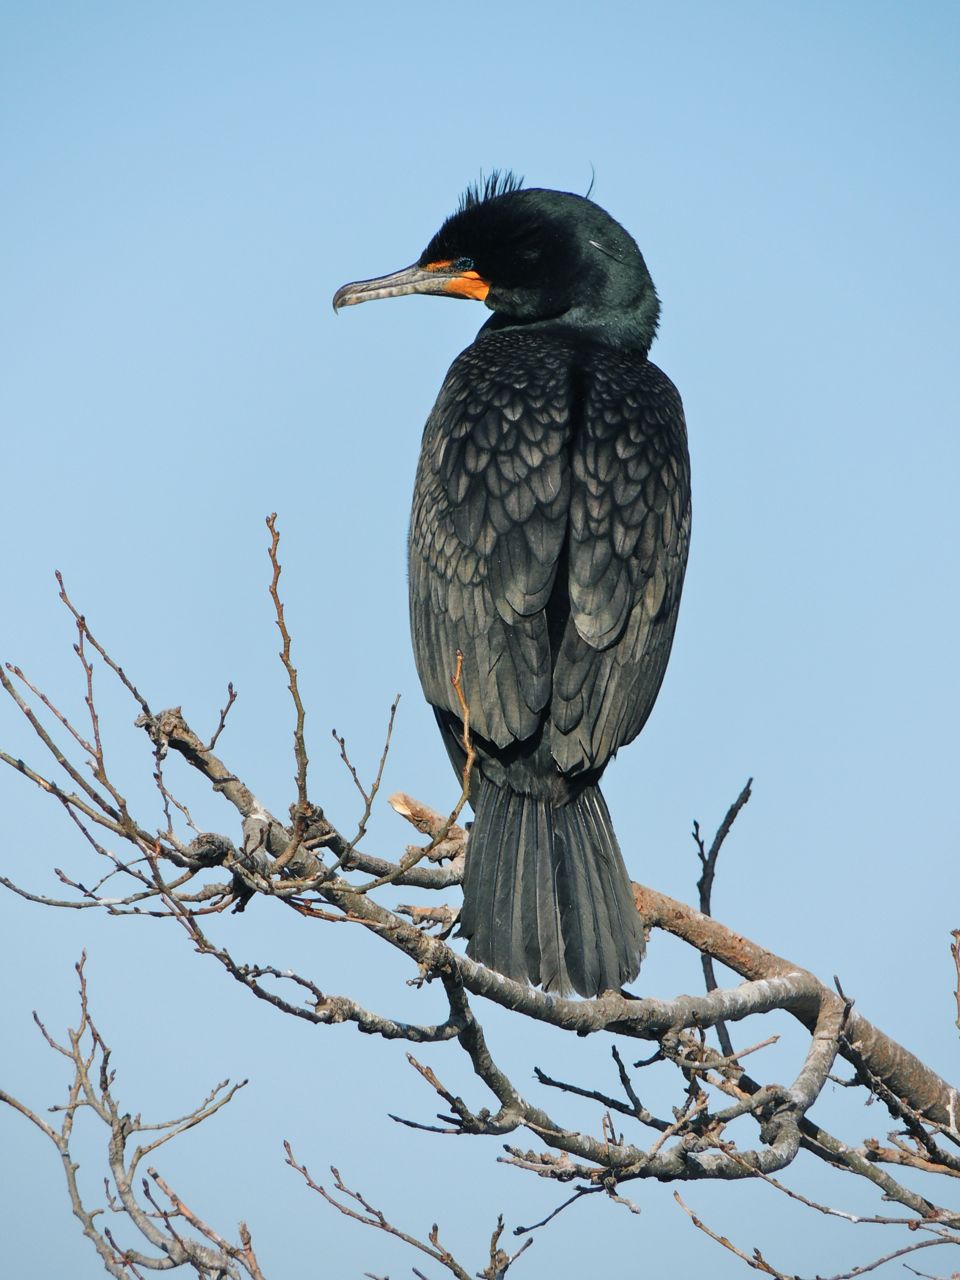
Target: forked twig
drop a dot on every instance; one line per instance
(105, 657)
(757, 1262)
(361, 1210)
(368, 795)
(205, 1251)
(440, 836)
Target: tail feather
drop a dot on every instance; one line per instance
(575, 897)
(586, 905)
(615, 907)
(505, 921)
(490, 914)
(549, 924)
(532, 836)
(546, 894)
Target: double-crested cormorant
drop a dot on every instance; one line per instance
(548, 542)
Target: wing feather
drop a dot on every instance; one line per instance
(629, 531)
(487, 531)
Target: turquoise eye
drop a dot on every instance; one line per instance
(463, 264)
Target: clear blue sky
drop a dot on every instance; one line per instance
(184, 186)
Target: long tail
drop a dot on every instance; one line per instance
(546, 895)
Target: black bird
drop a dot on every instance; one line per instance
(548, 542)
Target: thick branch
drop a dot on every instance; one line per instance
(897, 1067)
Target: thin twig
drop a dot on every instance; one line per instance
(757, 1262)
(372, 1217)
(114, 667)
(224, 712)
(368, 795)
(470, 759)
(299, 745)
(708, 863)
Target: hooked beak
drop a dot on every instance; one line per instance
(436, 277)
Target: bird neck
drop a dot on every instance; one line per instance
(631, 329)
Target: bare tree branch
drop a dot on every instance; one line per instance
(304, 864)
(353, 1204)
(162, 1227)
(757, 1262)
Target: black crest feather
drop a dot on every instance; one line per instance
(498, 183)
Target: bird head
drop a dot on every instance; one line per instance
(534, 257)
